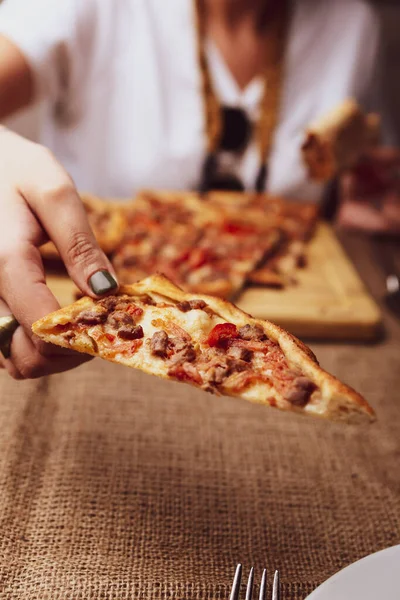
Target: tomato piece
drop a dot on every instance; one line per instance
(134, 310)
(237, 228)
(136, 345)
(110, 337)
(146, 221)
(62, 328)
(198, 258)
(221, 335)
(182, 258)
(186, 373)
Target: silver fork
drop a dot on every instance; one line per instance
(249, 589)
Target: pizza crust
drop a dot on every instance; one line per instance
(264, 276)
(338, 139)
(334, 400)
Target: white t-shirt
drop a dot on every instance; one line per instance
(122, 86)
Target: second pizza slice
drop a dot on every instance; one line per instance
(202, 248)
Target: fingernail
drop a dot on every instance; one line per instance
(102, 282)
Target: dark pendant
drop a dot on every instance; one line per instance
(227, 182)
(236, 129)
(261, 178)
(212, 179)
(208, 171)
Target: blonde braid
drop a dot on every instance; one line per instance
(273, 77)
(211, 104)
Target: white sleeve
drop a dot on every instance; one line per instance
(47, 33)
(353, 38)
(373, 96)
(367, 58)
(369, 67)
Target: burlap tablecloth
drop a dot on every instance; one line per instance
(115, 485)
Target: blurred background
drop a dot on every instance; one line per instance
(389, 13)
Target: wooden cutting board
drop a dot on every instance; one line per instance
(328, 302)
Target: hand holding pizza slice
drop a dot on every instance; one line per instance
(205, 341)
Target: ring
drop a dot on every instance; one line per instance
(8, 325)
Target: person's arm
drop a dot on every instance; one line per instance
(38, 199)
(16, 79)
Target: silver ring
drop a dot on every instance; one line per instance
(8, 325)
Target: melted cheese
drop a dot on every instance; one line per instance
(197, 323)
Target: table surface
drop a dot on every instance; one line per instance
(116, 485)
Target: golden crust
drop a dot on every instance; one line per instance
(338, 139)
(266, 277)
(336, 401)
(220, 288)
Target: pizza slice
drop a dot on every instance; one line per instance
(280, 268)
(229, 248)
(201, 247)
(297, 226)
(294, 216)
(107, 221)
(293, 224)
(205, 341)
(338, 140)
(160, 234)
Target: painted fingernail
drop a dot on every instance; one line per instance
(102, 282)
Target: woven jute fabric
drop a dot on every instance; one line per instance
(116, 485)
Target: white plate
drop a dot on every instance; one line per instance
(375, 577)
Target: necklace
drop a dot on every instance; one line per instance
(273, 73)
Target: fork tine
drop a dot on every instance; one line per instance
(236, 583)
(249, 589)
(263, 586)
(276, 594)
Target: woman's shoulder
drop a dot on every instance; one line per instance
(337, 28)
(350, 15)
(360, 13)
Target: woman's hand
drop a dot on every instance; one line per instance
(370, 193)
(38, 201)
